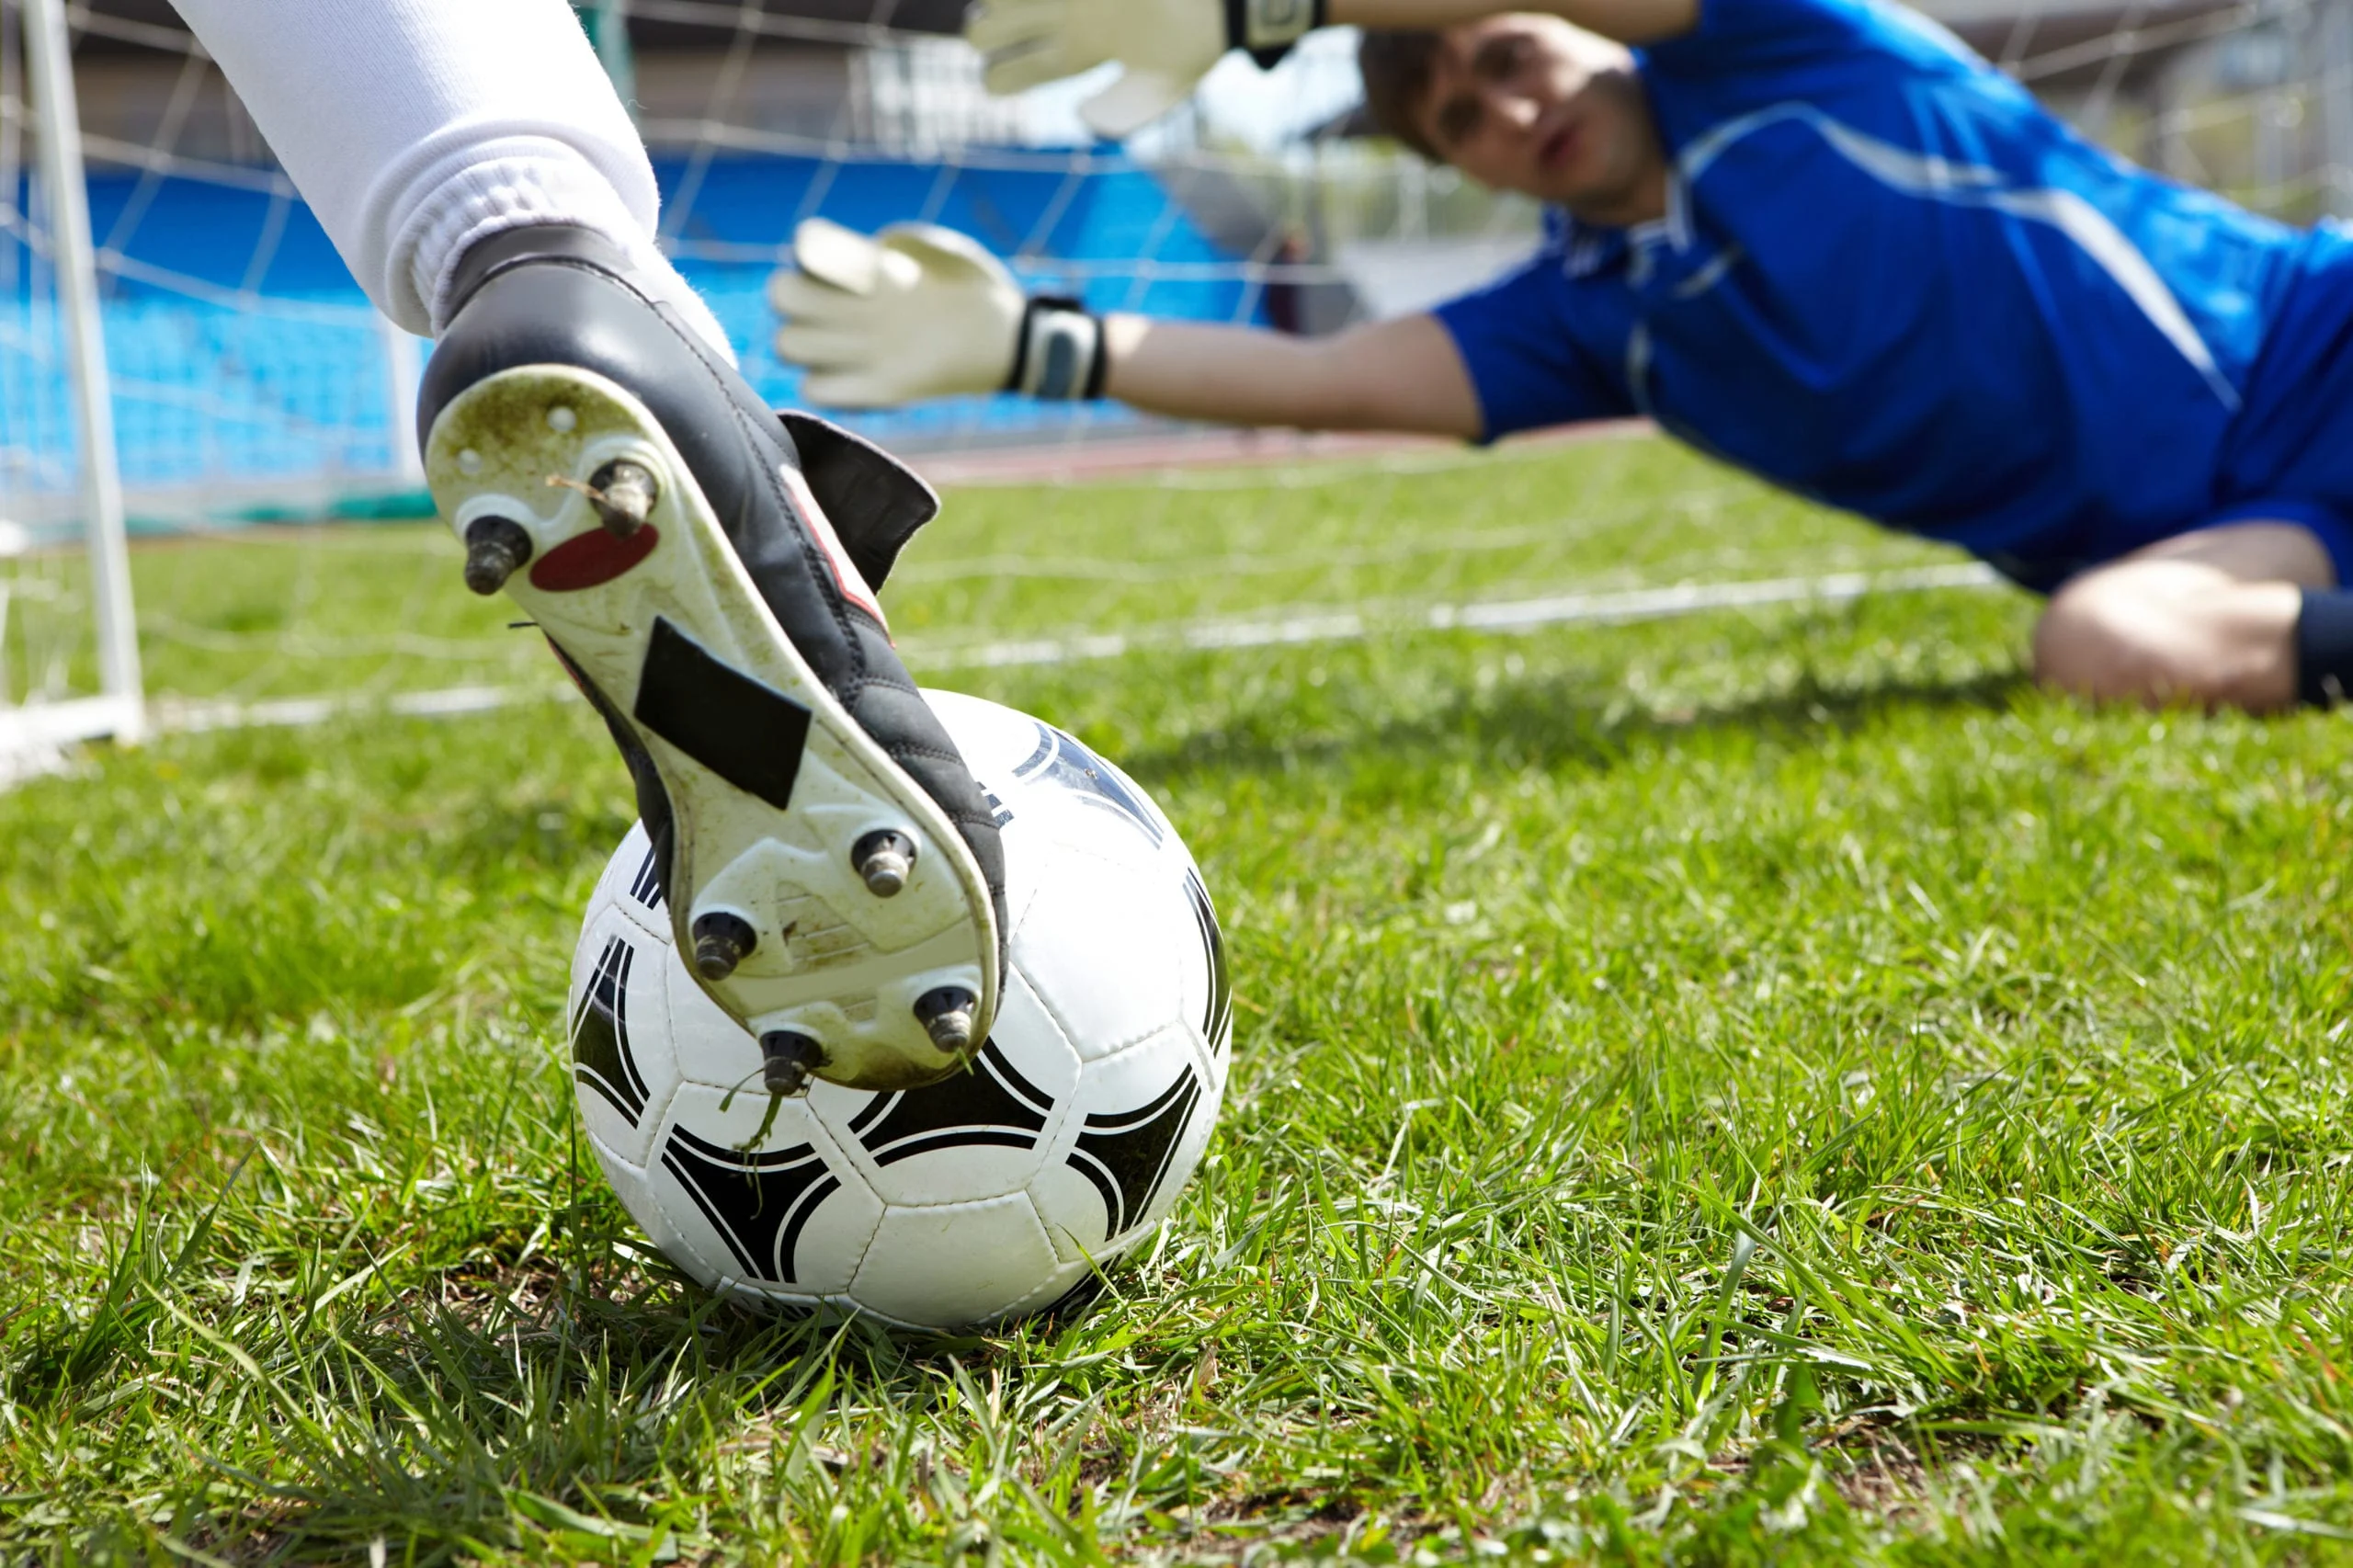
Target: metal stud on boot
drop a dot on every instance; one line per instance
(788, 1061)
(496, 549)
(721, 941)
(946, 1015)
(885, 859)
(623, 493)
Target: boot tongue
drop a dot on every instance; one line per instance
(875, 502)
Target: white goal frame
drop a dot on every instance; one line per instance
(34, 731)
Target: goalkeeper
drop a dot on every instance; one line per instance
(1816, 238)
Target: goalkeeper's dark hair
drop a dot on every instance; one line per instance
(1397, 65)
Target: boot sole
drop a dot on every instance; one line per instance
(771, 782)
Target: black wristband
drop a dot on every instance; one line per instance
(1058, 351)
(2324, 648)
(1265, 30)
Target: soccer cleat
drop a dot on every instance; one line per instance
(947, 1016)
(623, 493)
(788, 1061)
(885, 860)
(496, 549)
(721, 940)
(662, 528)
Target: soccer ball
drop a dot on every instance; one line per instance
(996, 1192)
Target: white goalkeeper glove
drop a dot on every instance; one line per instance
(918, 312)
(1166, 46)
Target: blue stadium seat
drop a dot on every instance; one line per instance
(243, 354)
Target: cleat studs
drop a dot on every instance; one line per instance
(721, 940)
(623, 493)
(788, 1061)
(494, 548)
(561, 420)
(885, 859)
(946, 1015)
(469, 462)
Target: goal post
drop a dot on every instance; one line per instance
(36, 721)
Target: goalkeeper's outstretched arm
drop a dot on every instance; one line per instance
(1163, 47)
(919, 311)
(1403, 375)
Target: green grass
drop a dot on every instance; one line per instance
(1764, 1086)
(272, 612)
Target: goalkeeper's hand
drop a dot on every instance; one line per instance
(918, 312)
(1165, 46)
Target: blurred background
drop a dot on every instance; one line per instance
(251, 388)
(251, 380)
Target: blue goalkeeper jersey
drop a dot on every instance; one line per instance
(1889, 280)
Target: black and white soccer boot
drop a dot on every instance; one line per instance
(829, 864)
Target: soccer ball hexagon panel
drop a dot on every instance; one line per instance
(991, 1193)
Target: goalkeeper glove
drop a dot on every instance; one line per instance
(918, 312)
(1165, 46)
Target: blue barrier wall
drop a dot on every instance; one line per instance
(244, 357)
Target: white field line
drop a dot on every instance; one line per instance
(1502, 617)
(447, 703)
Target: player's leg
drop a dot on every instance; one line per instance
(2209, 619)
(829, 860)
(416, 128)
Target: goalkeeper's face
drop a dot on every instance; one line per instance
(1531, 103)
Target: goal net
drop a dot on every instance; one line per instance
(259, 442)
(69, 663)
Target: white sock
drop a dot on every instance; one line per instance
(416, 129)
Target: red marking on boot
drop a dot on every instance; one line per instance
(591, 559)
(846, 574)
(570, 668)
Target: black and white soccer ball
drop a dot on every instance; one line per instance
(994, 1193)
